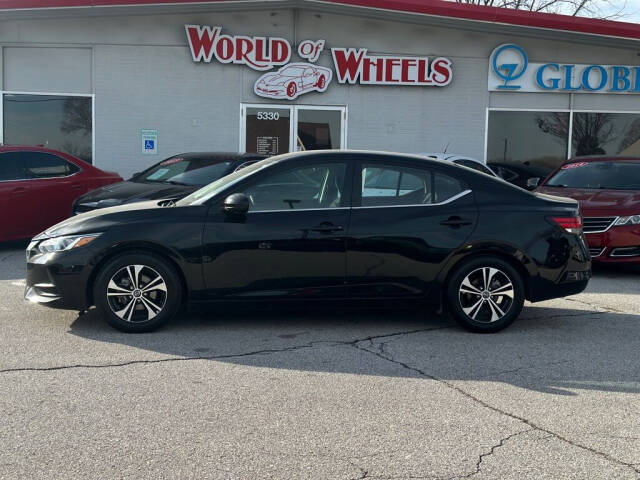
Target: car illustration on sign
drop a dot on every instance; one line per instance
(293, 80)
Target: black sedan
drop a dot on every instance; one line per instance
(324, 225)
(175, 178)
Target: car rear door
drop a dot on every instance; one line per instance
(407, 219)
(291, 243)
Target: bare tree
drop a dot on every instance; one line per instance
(592, 132)
(77, 116)
(604, 9)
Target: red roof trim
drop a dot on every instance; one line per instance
(438, 8)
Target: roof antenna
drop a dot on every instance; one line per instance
(446, 147)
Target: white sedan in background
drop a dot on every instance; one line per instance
(462, 160)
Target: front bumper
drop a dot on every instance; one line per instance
(58, 280)
(616, 245)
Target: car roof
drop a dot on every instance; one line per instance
(219, 156)
(285, 157)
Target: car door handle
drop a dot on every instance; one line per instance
(326, 227)
(455, 221)
(76, 186)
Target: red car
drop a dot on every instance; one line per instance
(38, 187)
(608, 190)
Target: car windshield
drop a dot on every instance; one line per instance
(292, 72)
(598, 175)
(180, 170)
(208, 191)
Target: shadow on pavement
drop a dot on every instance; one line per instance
(12, 260)
(549, 350)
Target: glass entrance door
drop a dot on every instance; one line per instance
(267, 130)
(319, 128)
(275, 129)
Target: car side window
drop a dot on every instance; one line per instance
(392, 185)
(446, 187)
(46, 165)
(302, 187)
(11, 168)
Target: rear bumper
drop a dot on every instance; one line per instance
(565, 270)
(616, 245)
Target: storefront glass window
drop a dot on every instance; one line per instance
(62, 123)
(605, 134)
(522, 145)
(318, 129)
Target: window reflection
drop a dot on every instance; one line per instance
(62, 123)
(522, 145)
(599, 133)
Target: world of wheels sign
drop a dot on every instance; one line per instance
(288, 80)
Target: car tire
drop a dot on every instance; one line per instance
(292, 89)
(137, 292)
(485, 294)
(321, 82)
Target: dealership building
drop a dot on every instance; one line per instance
(125, 83)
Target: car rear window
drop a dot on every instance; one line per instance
(598, 175)
(186, 171)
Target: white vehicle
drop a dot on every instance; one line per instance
(462, 160)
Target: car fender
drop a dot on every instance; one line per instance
(514, 255)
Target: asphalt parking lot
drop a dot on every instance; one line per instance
(323, 394)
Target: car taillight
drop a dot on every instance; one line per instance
(569, 224)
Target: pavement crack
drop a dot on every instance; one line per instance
(215, 357)
(488, 406)
(495, 447)
(166, 360)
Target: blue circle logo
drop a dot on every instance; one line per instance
(510, 71)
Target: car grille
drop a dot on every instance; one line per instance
(596, 251)
(597, 224)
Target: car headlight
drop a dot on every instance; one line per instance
(630, 220)
(68, 242)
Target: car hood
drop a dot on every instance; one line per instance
(128, 192)
(599, 202)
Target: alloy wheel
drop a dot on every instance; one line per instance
(486, 294)
(136, 293)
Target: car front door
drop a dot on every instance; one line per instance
(406, 220)
(14, 189)
(292, 241)
(54, 184)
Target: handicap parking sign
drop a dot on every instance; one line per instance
(149, 138)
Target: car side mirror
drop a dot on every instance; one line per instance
(532, 183)
(236, 203)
